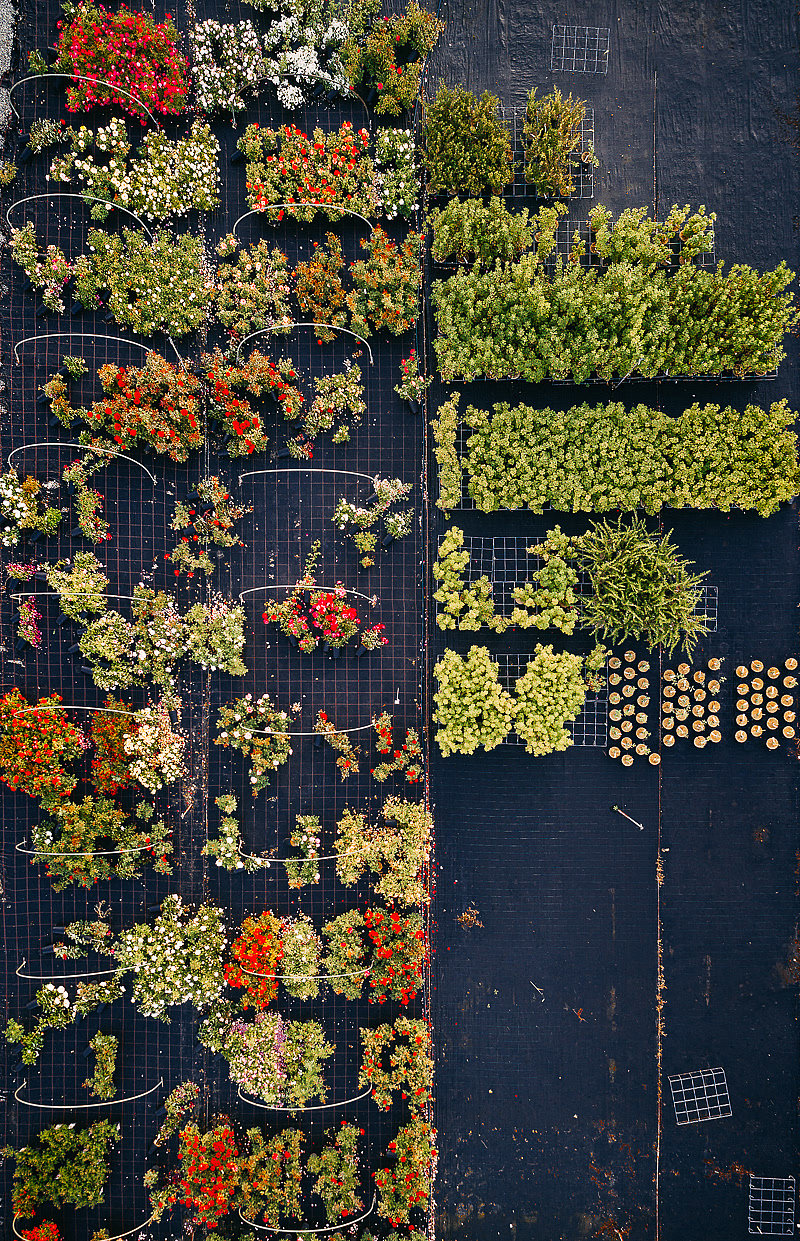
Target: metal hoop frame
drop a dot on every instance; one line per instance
(60, 977)
(315, 1107)
(107, 452)
(265, 331)
(304, 1232)
(326, 206)
(69, 1107)
(85, 198)
(76, 77)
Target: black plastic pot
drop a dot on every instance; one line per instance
(387, 540)
(87, 1051)
(87, 672)
(36, 536)
(361, 650)
(77, 309)
(42, 311)
(40, 575)
(318, 741)
(59, 930)
(77, 533)
(42, 399)
(238, 157)
(62, 619)
(293, 640)
(20, 644)
(335, 652)
(282, 454)
(25, 157)
(32, 1006)
(414, 407)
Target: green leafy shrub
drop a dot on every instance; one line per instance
(337, 1174)
(471, 230)
(523, 320)
(641, 586)
(386, 285)
(472, 708)
(553, 143)
(604, 457)
(66, 1166)
(467, 144)
(154, 286)
(549, 694)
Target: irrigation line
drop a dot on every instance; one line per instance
(304, 1232)
(304, 323)
(315, 1107)
(77, 594)
(276, 732)
(72, 706)
(326, 206)
(85, 198)
(60, 977)
(76, 77)
(119, 1236)
(68, 1107)
(108, 452)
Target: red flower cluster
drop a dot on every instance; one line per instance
(259, 949)
(337, 620)
(332, 169)
(399, 951)
(35, 745)
(258, 377)
(46, 1231)
(156, 404)
(111, 765)
(128, 50)
(211, 1173)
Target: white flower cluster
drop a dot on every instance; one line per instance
(396, 172)
(13, 507)
(177, 960)
(163, 178)
(228, 60)
(302, 47)
(52, 999)
(156, 750)
(215, 640)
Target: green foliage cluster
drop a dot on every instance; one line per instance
(471, 230)
(467, 143)
(626, 313)
(600, 458)
(552, 138)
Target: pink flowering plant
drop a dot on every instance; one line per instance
(130, 51)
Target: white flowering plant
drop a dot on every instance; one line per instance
(396, 172)
(260, 731)
(177, 960)
(302, 46)
(164, 177)
(157, 749)
(22, 508)
(228, 63)
(214, 635)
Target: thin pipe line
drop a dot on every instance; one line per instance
(60, 977)
(304, 1232)
(80, 336)
(76, 77)
(315, 1107)
(325, 857)
(119, 1236)
(109, 452)
(304, 323)
(275, 732)
(68, 1107)
(326, 206)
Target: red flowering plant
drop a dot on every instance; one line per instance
(256, 955)
(391, 57)
(347, 753)
(308, 615)
(407, 759)
(287, 166)
(111, 766)
(35, 746)
(407, 1184)
(398, 952)
(387, 285)
(230, 383)
(210, 1175)
(336, 1168)
(156, 404)
(396, 1060)
(131, 51)
(46, 1231)
(271, 1177)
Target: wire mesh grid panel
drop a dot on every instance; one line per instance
(700, 1095)
(708, 606)
(589, 730)
(581, 166)
(770, 1208)
(580, 49)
